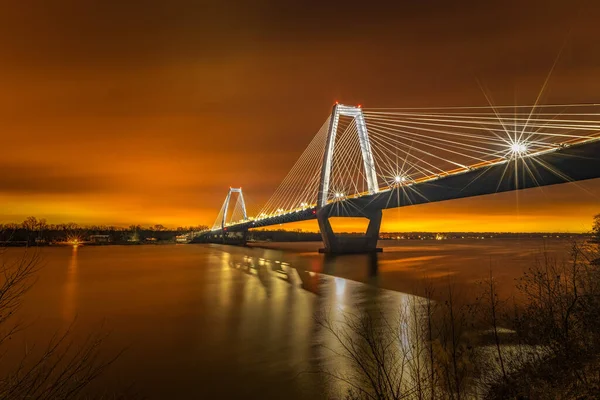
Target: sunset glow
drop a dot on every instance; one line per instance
(110, 131)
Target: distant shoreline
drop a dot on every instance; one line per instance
(82, 244)
(588, 238)
(292, 237)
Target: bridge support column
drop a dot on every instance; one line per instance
(235, 238)
(337, 244)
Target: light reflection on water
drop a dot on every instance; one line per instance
(70, 292)
(222, 321)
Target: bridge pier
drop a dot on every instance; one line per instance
(337, 244)
(235, 238)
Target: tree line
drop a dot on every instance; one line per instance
(36, 231)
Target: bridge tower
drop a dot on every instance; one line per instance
(226, 208)
(332, 242)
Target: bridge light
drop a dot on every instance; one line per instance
(399, 179)
(518, 148)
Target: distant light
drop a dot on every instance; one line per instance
(360, 105)
(337, 102)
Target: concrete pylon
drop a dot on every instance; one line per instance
(237, 239)
(348, 244)
(340, 110)
(337, 244)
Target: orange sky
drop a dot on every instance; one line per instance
(146, 112)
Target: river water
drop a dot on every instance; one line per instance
(201, 321)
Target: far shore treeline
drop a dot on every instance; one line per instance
(35, 231)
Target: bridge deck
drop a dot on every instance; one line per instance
(574, 163)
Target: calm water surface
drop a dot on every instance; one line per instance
(231, 322)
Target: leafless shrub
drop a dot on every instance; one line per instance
(374, 351)
(557, 331)
(421, 353)
(546, 346)
(17, 278)
(64, 370)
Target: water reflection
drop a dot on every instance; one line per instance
(69, 306)
(373, 263)
(286, 313)
(340, 287)
(244, 315)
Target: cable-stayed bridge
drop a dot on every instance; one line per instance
(362, 161)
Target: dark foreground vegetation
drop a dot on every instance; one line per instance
(542, 344)
(62, 369)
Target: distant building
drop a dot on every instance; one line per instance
(100, 239)
(182, 239)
